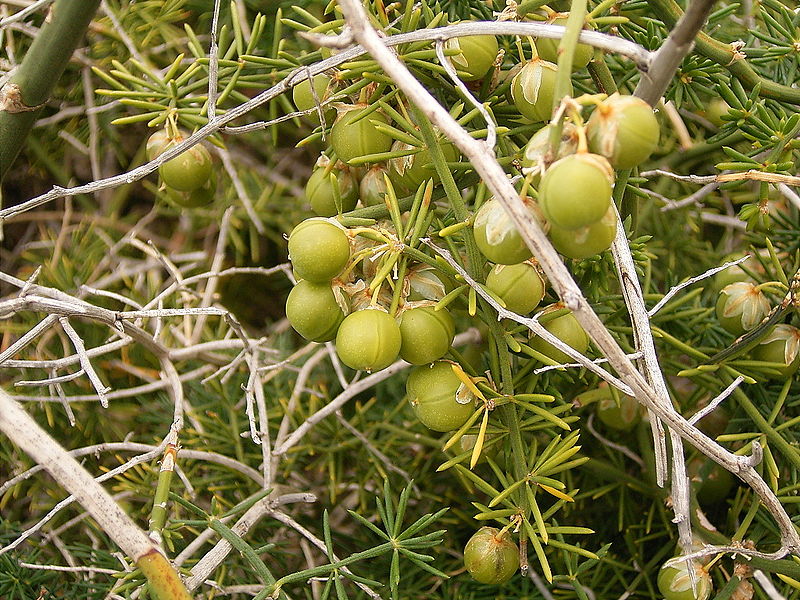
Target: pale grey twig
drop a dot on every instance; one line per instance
(113, 295)
(66, 569)
(700, 179)
(241, 192)
(723, 220)
(692, 280)
(337, 364)
(491, 127)
(614, 446)
(216, 264)
(766, 584)
(27, 337)
(694, 198)
(49, 380)
(77, 342)
(91, 118)
(123, 34)
(21, 14)
(597, 361)
(789, 194)
(213, 63)
(675, 48)
(387, 463)
(607, 42)
(709, 408)
(170, 312)
(299, 384)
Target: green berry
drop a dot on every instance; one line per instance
(568, 330)
(532, 89)
(576, 191)
(318, 249)
(624, 130)
(521, 286)
(314, 311)
(368, 340)
(490, 557)
(321, 191)
(426, 334)
(354, 134)
(586, 241)
(675, 583)
(478, 53)
(780, 346)
(496, 235)
(741, 306)
(433, 392)
(548, 47)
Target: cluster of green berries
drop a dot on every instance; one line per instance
(568, 192)
(189, 178)
(331, 301)
(741, 306)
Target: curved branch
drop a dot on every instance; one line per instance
(599, 40)
(727, 56)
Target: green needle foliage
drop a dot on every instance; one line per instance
(286, 456)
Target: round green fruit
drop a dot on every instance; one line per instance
(716, 110)
(313, 311)
(368, 340)
(576, 191)
(354, 134)
(426, 334)
(478, 53)
(532, 90)
(490, 557)
(624, 130)
(408, 172)
(538, 148)
(157, 143)
(568, 330)
(496, 235)
(741, 306)
(586, 241)
(318, 249)
(780, 346)
(548, 47)
(303, 97)
(521, 286)
(372, 189)
(623, 416)
(321, 193)
(675, 582)
(433, 394)
(733, 273)
(187, 171)
(202, 196)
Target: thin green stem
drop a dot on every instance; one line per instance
(723, 54)
(566, 52)
(22, 97)
(601, 74)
